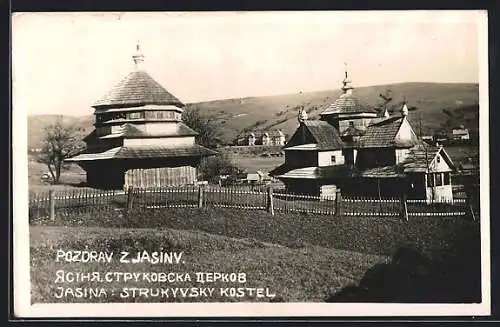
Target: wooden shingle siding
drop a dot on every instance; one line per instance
(348, 103)
(160, 177)
(138, 88)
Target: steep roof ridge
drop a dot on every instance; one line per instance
(325, 134)
(137, 88)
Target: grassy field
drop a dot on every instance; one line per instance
(375, 235)
(298, 257)
(253, 164)
(307, 273)
(72, 176)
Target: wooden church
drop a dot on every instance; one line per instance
(353, 148)
(139, 139)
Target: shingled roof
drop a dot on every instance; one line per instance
(352, 131)
(421, 156)
(325, 135)
(383, 134)
(326, 172)
(142, 152)
(137, 89)
(131, 131)
(347, 104)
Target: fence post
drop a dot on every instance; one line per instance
(338, 203)
(130, 199)
(200, 196)
(404, 208)
(52, 206)
(469, 208)
(270, 204)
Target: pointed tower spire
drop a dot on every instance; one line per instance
(404, 109)
(302, 117)
(346, 87)
(138, 57)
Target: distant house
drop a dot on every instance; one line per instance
(253, 178)
(353, 149)
(270, 138)
(460, 133)
(427, 138)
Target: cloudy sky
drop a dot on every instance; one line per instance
(64, 62)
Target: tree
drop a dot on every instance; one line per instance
(212, 167)
(386, 103)
(209, 134)
(385, 98)
(60, 142)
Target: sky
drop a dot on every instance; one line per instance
(63, 62)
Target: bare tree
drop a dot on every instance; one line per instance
(208, 132)
(385, 98)
(60, 142)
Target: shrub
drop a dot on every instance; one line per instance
(212, 167)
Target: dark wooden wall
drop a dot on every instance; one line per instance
(117, 174)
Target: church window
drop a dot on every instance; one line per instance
(134, 115)
(332, 159)
(351, 124)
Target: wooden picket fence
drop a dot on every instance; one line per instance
(47, 205)
(291, 203)
(362, 206)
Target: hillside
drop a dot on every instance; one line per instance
(37, 123)
(273, 112)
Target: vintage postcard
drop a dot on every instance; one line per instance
(238, 164)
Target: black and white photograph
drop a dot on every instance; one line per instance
(277, 163)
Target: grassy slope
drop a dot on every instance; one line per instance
(37, 123)
(376, 235)
(301, 257)
(280, 111)
(71, 176)
(304, 274)
(430, 98)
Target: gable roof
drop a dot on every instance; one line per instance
(421, 156)
(138, 89)
(325, 172)
(347, 104)
(383, 134)
(325, 135)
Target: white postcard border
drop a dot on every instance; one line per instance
(21, 253)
